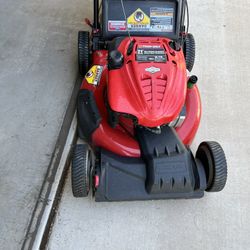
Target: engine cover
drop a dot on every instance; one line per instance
(151, 84)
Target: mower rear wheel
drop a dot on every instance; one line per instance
(81, 169)
(83, 52)
(189, 51)
(214, 161)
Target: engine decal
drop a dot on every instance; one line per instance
(151, 54)
(138, 21)
(94, 75)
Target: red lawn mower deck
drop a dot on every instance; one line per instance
(139, 109)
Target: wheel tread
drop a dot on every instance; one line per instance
(83, 52)
(80, 170)
(220, 165)
(189, 51)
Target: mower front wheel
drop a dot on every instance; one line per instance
(189, 51)
(83, 52)
(214, 161)
(81, 170)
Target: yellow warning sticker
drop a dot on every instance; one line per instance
(138, 21)
(94, 75)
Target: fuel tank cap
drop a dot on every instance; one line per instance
(115, 59)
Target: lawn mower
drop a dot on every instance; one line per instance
(139, 107)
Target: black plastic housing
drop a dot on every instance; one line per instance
(166, 170)
(170, 166)
(88, 114)
(124, 178)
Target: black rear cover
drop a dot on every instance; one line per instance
(167, 170)
(123, 179)
(143, 18)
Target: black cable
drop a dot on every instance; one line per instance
(187, 9)
(125, 16)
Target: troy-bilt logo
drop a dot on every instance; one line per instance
(138, 16)
(153, 70)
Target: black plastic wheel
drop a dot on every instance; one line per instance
(214, 161)
(189, 51)
(83, 52)
(80, 174)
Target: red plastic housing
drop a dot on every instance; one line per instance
(153, 98)
(155, 101)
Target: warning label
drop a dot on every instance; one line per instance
(94, 75)
(117, 26)
(151, 54)
(138, 21)
(162, 19)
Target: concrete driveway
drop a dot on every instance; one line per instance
(38, 71)
(219, 221)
